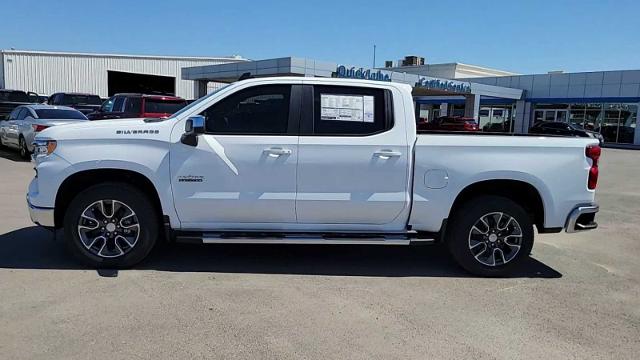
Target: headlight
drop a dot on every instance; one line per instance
(44, 147)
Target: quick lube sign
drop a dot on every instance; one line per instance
(353, 73)
(444, 85)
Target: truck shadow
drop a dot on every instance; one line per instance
(35, 248)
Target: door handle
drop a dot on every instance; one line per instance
(277, 151)
(387, 154)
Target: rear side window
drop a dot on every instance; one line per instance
(344, 110)
(133, 105)
(22, 114)
(69, 99)
(256, 110)
(14, 96)
(60, 114)
(161, 106)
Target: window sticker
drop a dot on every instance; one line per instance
(356, 108)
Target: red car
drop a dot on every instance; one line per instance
(138, 106)
(450, 123)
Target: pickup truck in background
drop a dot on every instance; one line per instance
(85, 103)
(307, 161)
(11, 99)
(127, 106)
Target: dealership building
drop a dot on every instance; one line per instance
(502, 101)
(602, 101)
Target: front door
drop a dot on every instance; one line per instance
(242, 174)
(353, 160)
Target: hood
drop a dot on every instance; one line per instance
(119, 129)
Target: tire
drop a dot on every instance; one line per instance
(118, 243)
(490, 236)
(24, 151)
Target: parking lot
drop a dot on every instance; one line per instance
(577, 298)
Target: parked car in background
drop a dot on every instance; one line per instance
(624, 134)
(42, 99)
(505, 126)
(10, 99)
(26, 121)
(85, 103)
(450, 123)
(138, 106)
(564, 129)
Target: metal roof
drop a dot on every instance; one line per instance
(63, 53)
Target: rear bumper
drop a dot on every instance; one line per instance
(582, 218)
(41, 216)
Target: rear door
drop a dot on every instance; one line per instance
(353, 158)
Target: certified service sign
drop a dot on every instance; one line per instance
(444, 85)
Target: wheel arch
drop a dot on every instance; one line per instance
(84, 179)
(522, 192)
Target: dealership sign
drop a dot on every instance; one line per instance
(444, 85)
(353, 73)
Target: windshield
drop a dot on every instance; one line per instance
(81, 100)
(197, 102)
(60, 114)
(160, 106)
(14, 96)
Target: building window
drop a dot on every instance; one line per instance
(615, 121)
(496, 118)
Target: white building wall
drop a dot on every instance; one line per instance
(48, 72)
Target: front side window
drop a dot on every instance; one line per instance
(346, 110)
(256, 110)
(14, 114)
(117, 104)
(107, 106)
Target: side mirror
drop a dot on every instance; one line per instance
(192, 128)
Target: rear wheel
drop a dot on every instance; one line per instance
(24, 151)
(111, 225)
(490, 235)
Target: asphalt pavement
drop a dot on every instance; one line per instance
(578, 297)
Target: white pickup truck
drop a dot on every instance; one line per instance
(307, 161)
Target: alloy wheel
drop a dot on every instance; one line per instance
(495, 239)
(108, 228)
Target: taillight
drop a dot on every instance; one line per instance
(593, 152)
(469, 126)
(38, 128)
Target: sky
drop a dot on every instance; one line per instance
(523, 36)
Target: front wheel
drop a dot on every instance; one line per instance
(490, 235)
(111, 225)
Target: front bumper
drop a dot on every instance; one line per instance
(41, 216)
(582, 218)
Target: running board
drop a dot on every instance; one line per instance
(302, 238)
